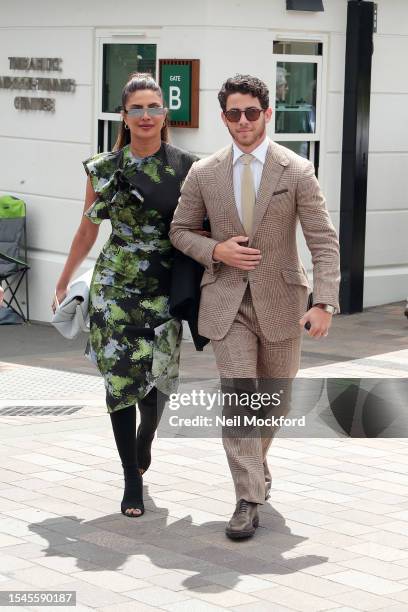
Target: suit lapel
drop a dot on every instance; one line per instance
(223, 175)
(273, 167)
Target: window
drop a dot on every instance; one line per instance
(301, 148)
(297, 83)
(120, 60)
(117, 60)
(297, 47)
(295, 108)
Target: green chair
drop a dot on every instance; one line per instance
(13, 252)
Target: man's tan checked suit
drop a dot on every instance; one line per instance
(273, 297)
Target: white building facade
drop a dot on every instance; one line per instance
(42, 151)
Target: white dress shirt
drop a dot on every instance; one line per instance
(257, 165)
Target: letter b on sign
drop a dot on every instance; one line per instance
(175, 80)
(174, 97)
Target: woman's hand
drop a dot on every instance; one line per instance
(1, 295)
(60, 293)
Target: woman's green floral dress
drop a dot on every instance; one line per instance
(134, 340)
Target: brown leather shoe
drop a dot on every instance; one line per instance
(244, 521)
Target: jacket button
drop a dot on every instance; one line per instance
(245, 279)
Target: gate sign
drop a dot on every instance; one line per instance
(179, 80)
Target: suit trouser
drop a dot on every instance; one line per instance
(244, 356)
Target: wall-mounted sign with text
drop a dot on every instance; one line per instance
(36, 84)
(180, 82)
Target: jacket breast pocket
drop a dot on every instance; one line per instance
(295, 277)
(282, 203)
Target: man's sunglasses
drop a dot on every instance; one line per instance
(252, 114)
(152, 111)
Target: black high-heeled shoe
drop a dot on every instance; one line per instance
(133, 493)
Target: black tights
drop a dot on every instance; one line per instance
(134, 452)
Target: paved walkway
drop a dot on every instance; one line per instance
(333, 536)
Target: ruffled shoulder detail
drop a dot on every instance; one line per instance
(101, 169)
(98, 211)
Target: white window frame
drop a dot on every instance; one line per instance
(321, 90)
(300, 59)
(145, 36)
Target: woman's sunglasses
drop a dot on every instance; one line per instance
(152, 111)
(252, 114)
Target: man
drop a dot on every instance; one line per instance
(281, 85)
(254, 287)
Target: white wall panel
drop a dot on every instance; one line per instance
(392, 17)
(334, 122)
(390, 64)
(74, 46)
(336, 62)
(386, 253)
(71, 121)
(384, 287)
(52, 223)
(43, 167)
(386, 239)
(228, 54)
(332, 181)
(387, 181)
(128, 14)
(388, 122)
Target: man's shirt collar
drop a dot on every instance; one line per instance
(259, 153)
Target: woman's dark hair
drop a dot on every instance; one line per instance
(245, 84)
(137, 82)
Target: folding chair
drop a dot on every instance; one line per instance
(13, 240)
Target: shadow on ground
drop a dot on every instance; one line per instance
(203, 551)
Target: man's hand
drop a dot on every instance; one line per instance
(233, 254)
(319, 320)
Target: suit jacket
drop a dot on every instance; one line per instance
(288, 193)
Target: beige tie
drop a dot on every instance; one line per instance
(248, 196)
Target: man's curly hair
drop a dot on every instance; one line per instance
(245, 84)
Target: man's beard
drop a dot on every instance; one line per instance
(256, 135)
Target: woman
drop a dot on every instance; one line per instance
(133, 339)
